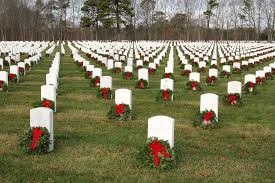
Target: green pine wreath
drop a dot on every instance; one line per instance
(211, 122)
(117, 113)
(41, 146)
(147, 157)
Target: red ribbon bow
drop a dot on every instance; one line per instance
(251, 85)
(120, 109)
(36, 133)
(46, 103)
(157, 149)
(267, 75)
(128, 75)
(232, 99)
(104, 92)
(151, 70)
(11, 76)
(167, 75)
(141, 84)
(1, 83)
(165, 95)
(208, 116)
(211, 79)
(259, 80)
(194, 85)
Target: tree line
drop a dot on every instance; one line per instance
(188, 20)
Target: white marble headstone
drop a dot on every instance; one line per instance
(162, 127)
(43, 117)
(209, 101)
(123, 96)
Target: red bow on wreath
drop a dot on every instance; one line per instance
(208, 116)
(165, 95)
(11, 76)
(1, 83)
(193, 85)
(251, 85)
(141, 84)
(97, 81)
(157, 148)
(232, 99)
(128, 75)
(36, 133)
(104, 92)
(167, 75)
(46, 103)
(120, 109)
(259, 80)
(267, 75)
(211, 79)
(151, 70)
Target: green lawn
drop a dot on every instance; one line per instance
(90, 148)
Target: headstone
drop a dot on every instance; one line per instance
(4, 76)
(143, 74)
(250, 78)
(106, 82)
(49, 92)
(209, 101)
(234, 87)
(162, 127)
(194, 76)
(123, 96)
(213, 72)
(43, 117)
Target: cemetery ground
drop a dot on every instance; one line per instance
(91, 148)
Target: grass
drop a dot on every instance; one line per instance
(90, 148)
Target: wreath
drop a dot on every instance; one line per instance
(117, 70)
(233, 99)
(46, 103)
(268, 76)
(157, 154)
(105, 93)
(21, 71)
(193, 85)
(236, 70)
(211, 81)
(152, 71)
(120, 112)
(250, 87)
(88, 74)
(165, 95)
(13, 77)
(168, 75)
(186, 73)
(213, 66)
(206, 119)
(225, 74)
(139, 67)
(259, 81)
(128, 75)
(80, 64)
(3, 86)
(35, 140)
(142, 84)
(95, 81)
